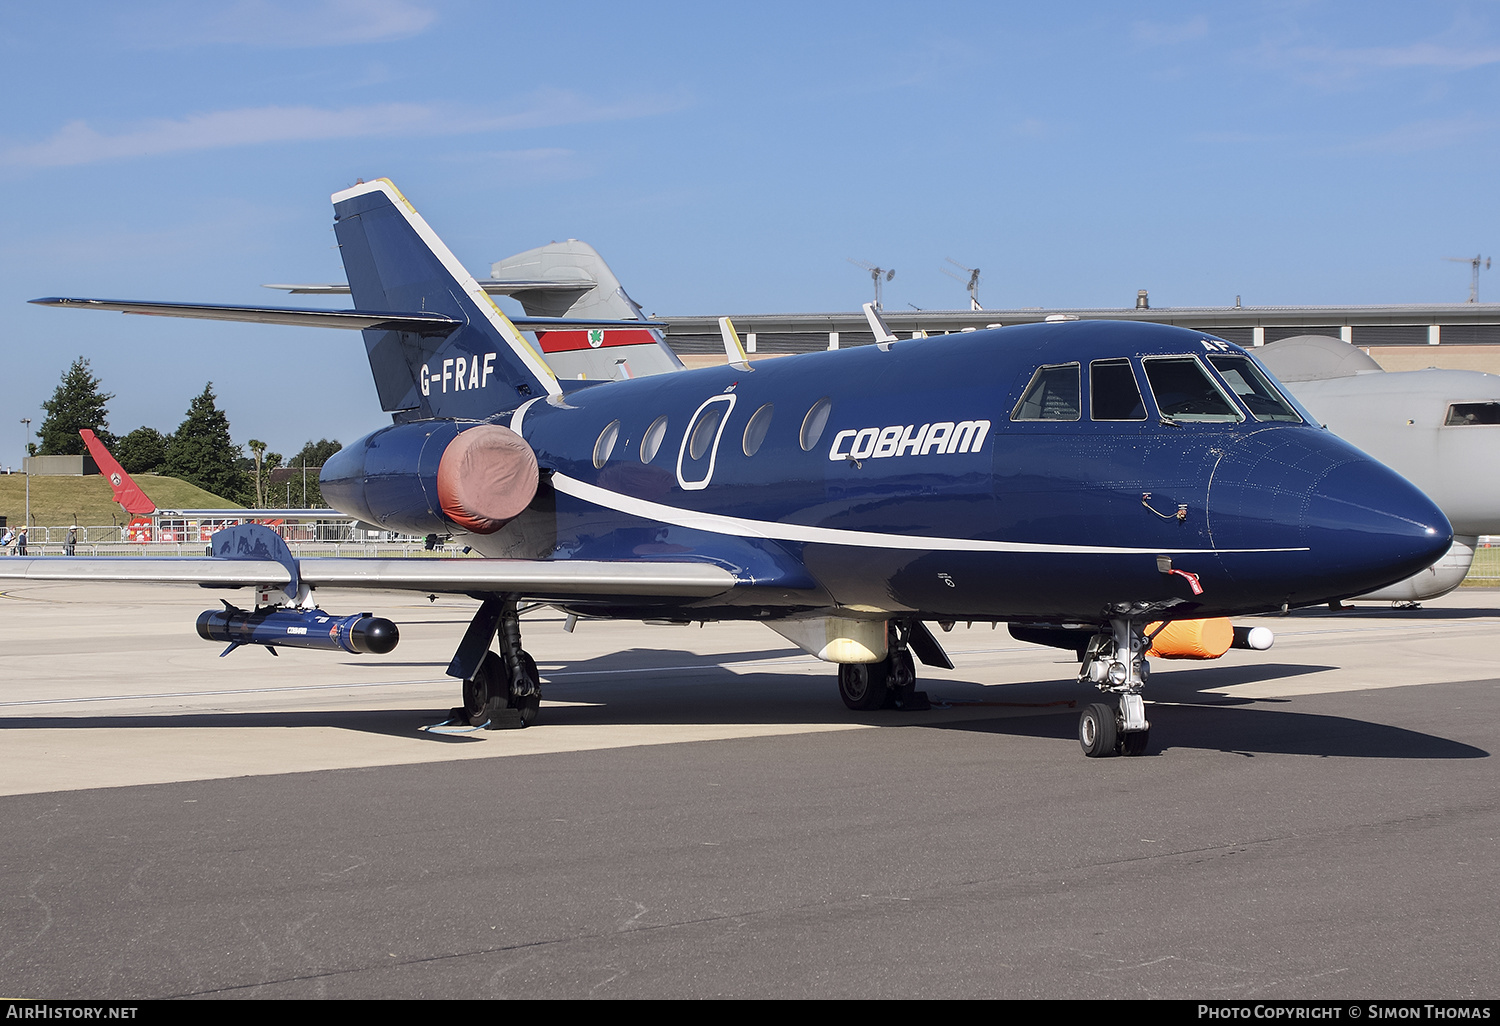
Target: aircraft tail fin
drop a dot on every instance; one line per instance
(571, 279)
(127, 493)
(395, 261)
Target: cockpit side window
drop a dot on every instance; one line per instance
(1113, 392)
(1460, 414)
(1254, 389)
(1052, 395)
(1185, 392)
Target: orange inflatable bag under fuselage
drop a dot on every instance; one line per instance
(1192, 639)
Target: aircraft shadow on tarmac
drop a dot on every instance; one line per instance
(1387, 612)
(1251, 732)
(644, 687)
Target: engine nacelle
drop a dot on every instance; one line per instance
(298, 628)
(433, 476)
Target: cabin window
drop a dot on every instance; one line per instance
(700, 443)
(1460, 414)
(1052, 395)
(755, 431)
(606, 444)
(1185, 393)
(1254, 389)
(652, 439)
(814, 423)
(705, 430)
(1113, 391)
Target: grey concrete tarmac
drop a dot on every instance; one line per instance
(697, 815)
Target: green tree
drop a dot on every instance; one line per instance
(78, 403)
(203, 454)
(312, 456)
(258, 448)
(143, 451)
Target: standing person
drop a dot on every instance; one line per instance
(71, 540)
(21, 541)
(10, 536)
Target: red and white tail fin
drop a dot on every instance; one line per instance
(127, 493)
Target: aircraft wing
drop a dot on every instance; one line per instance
(421, 323)
(533, 578)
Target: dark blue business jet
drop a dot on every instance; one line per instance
(1085, 482)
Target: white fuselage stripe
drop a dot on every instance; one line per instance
(741, 527)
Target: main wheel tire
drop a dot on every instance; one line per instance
(1134, 743)
(901, 680)
(862, 686)
(527, 705)
(1097, 732)
(486, 692)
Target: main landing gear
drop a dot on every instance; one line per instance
(889, 684)
(501, 690)
(1115, 663)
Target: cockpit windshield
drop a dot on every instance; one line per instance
(1186, 393)
(1257, 393)
(1052, 395)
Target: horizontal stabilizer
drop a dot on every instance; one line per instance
(421, 323)
(494, 286)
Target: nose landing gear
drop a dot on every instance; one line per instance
(1116, 664)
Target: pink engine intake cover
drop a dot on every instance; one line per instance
(486, 478)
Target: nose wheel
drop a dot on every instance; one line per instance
(1101, 733)
(1097, 732)
(1115, 663)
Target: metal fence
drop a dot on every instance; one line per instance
(107, 540)
(1485, 571)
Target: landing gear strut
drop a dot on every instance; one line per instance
(889, 684)
(501, 690)
(1115, 663)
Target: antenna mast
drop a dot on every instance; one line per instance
(973, 282)
(875, 276)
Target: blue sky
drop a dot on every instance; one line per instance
(723, 159)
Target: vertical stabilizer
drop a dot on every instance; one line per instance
(397, 264)
(127, 493)
(570, 279)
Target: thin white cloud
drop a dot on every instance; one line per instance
(1412, 137)
(277, 23)
(1414, 55)
(1420, 136)
(518, 167)
(80, 143)
(1150, 33)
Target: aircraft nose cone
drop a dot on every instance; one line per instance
(1367, 527)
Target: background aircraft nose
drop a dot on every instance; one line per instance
(1367, 526)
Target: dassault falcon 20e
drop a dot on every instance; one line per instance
(1080, 481)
